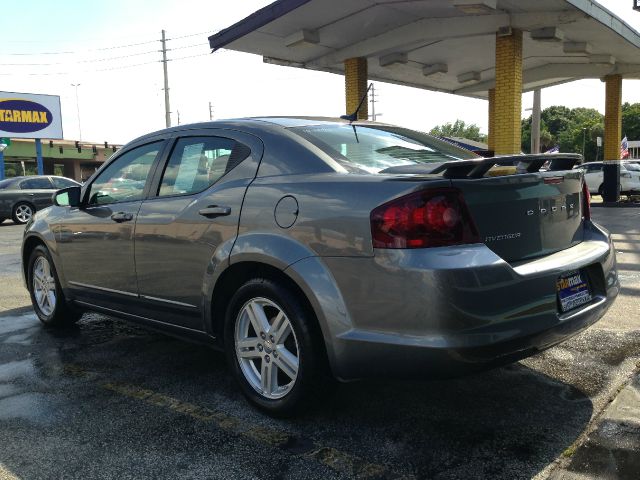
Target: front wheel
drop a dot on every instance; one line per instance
(46, 293)
(273, 346)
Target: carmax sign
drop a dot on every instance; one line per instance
(25, 115)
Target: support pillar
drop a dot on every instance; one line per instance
(355, 86)
(491, 140)
(508, 96)
(612, 137)
(39, 156)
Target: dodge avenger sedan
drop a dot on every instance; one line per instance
(311, 249)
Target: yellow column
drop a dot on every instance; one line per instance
(491, 141)
(613, 117)
(355, 85)
(508, 93)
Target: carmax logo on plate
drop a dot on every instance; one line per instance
(23, 116)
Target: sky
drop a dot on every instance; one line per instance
(111, 50)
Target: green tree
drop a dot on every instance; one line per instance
(631, 121)
(459, 129)
(567, 128)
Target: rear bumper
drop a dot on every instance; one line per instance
(447, 312)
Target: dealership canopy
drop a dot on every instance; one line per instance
(442, 45)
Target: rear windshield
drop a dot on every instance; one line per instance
(376, 148)
(5, 183)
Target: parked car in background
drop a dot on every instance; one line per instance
(21, 197)
(314, 248)
(629, 177)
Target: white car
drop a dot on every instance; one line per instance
(629, 177)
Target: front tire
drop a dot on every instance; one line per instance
(46, 293)
(22, 212)
(273, 346)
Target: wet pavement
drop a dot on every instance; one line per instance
(109, 400)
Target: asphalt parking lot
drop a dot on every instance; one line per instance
(108, 400)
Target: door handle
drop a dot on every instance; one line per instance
(122, 217)
(214, 211)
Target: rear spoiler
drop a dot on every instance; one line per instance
(477, 168)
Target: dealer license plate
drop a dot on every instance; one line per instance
(573, 290)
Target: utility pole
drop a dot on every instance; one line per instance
(535, 122)
(167, 109)
(76, 85)
(210, 111)
(178, 112)
(373, 102)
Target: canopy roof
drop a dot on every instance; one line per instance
(442, 45)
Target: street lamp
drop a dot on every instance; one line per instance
(76, 85)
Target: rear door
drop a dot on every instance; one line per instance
(38, 191)
(190, 219)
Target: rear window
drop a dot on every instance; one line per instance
(373, 149)
(6, 183)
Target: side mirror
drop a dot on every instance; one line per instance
(67, 197)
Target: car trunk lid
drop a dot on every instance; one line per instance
(519, 211)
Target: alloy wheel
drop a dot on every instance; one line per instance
(44, 286)
(24, 213)
(266, 348)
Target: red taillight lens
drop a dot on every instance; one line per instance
(586, 202)
(431, 218)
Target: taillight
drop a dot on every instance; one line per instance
(430, 218)
(586, 202)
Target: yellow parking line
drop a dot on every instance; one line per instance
(339, 461)
(5, 474)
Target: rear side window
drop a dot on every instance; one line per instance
(60, 182)
(36, 183)
(632, 166)
(196, 163)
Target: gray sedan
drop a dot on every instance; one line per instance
(20, 197)
(314, 249)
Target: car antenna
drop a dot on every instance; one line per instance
(352, 117)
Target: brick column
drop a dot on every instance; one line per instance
(612, 134)
(355, 86)
(508, 93)
(613, 117)
(491, 140)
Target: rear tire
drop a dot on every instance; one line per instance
(601, 190)
(46, 293)
(274, 347)
(22, 212)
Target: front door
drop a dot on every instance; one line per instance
(191, 215)
(95, 242)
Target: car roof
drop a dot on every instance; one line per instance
(258, 122)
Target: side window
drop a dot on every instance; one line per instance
(196, 163)
(125, 178)
(36, 183)
(60, 182)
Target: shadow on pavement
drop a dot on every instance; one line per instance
(505, 423)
